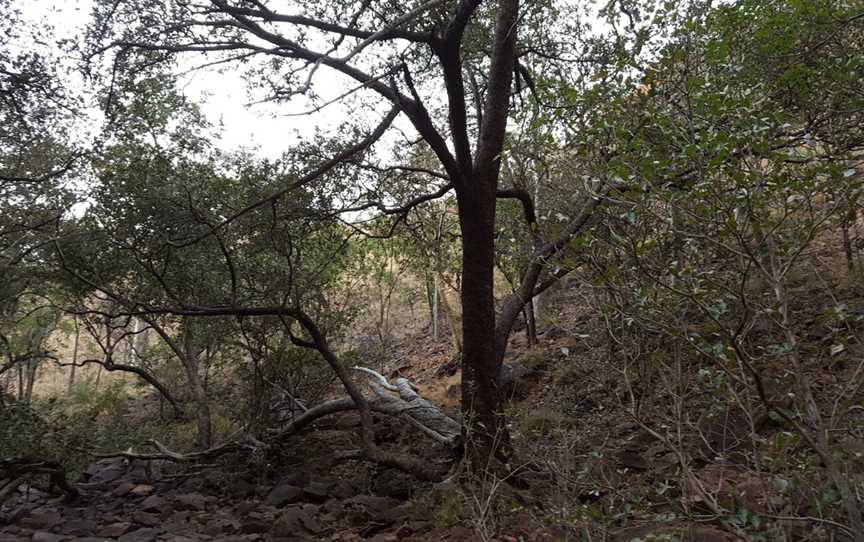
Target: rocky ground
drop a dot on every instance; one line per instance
(313, 498)
(303, 491)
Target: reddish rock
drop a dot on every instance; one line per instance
(460, 532)
(404, 532)
(142, 490)
(123, 489)
(385, 537)
(219, 526)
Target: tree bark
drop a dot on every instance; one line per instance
(408, 405)
(486, 430)
(481, 398)
(189, 358)
(530, 323)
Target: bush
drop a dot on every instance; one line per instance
(73, 428)
(544, 421)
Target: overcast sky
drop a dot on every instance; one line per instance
(223, 97)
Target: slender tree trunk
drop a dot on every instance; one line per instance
(819, 433)
(847, 244)
(452, 318)
(191, 354)
(30, 379)
(430, 299)
(435, 307)
(536, 302)
(205, 436)
(437, 279)
(74, 355)
(530, 323)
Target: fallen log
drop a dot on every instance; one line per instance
(399, 399)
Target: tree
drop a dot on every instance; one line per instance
(36, 157)
(35, 143)
(473, 51)
(25, 325)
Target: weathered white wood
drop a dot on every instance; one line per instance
(399, 400)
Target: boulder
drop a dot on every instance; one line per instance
(295, 521)
(80, 527)
(154, 503)
(105, 471)
(141, 535)
(190, 501)
(142, 490)
(41, 519)
(318, 490)
(146, 519)
(114, 530)
(123, 489)
(285, 494)
(393, 484)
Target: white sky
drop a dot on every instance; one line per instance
(223, 97)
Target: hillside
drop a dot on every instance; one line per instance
(602, 453)
(552, 270)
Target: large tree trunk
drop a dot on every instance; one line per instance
(481, 398)
(487, 433)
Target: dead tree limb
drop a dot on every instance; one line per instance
(165, 454)
(17, 468)
(8, 487)
(407, 405)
